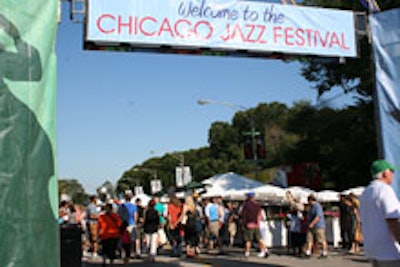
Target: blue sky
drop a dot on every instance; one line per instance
(115, 108)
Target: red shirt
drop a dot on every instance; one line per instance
(174, 213)
(108, 225)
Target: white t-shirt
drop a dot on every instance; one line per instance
(378, 203)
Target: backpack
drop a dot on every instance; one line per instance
(123, 214)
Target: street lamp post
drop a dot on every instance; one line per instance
(252, 133)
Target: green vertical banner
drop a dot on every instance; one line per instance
(28, 183)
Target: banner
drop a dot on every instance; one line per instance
(222, 25)
(28, 184)
(385, 28)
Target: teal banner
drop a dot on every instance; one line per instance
(28, 183)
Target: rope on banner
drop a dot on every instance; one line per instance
(371, 5)
(291, 1)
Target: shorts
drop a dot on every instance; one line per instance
(232, 229)
(318, 234)
(135, 232)
(213, 228)
(250, 234)
(93, 232)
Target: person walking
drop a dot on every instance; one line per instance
(380, 214)
(129, 212)
(251, 217)
(345, 222)
(316, 226)
(151, 224)
(212, 214)
(188, 219)
(92, 214)
(109, 225)
(175, 226)
(356, 224)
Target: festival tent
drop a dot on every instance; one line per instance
(356, 191)
(270, 192)
(221, 184)
(327, 196)
(301, 193)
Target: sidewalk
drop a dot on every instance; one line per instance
(233, 257)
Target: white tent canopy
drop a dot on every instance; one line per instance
(327, 196)
(356, 191)
(222, 184)
(301, 193)
(270, 192)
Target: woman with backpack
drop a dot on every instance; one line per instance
(151, 223)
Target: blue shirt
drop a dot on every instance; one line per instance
(132, 209)
(316, 210)
(211, 211)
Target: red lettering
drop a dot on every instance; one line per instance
(309, 34)
(300, 38)
(237, 30)
(208, 25)
(252, 27)
(99, 23)
(289, 36)
(323, 41)
(277, 34)
(176, 28)
(121, 24)
(262, 30)
(165, 27)
(343, 42)
(142, 30)
(335, 40)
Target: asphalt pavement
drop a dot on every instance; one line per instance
(233, 257)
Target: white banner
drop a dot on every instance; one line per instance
(224, 25)
(184, 178)
(155, 186)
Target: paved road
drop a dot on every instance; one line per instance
(234, 258)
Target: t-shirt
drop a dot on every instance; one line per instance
(378, 203)
(159, 207)
(92, 210)
(316, 210)
(174, 212)
(251, 213)
(211, 212)
(132, 209)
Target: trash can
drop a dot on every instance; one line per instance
(71, 245)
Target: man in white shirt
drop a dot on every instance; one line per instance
(380, 214)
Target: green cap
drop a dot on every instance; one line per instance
(381, 165)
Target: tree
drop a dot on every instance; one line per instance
(73, 189)
(356, 74)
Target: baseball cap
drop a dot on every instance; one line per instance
(381, 165)
(250, 194)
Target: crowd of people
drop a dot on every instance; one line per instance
(124, 228)
(190, 226)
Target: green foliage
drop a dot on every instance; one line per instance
(341, 141)
(73, 189)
